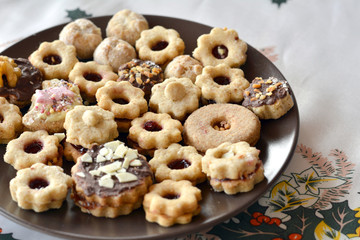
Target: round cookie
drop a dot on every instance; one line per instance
(114, 52)
(22, 80)
(211, 125)
(10, 121)
(268, 98)
(183, 66)
(54, 59)
(84, 35)
(221, 45)
(126, 25)
(159, 45)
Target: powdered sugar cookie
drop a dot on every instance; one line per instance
(183, 66)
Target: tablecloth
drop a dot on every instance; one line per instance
(315, 44)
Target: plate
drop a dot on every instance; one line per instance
(277, 144)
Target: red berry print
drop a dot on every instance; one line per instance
(295, 236)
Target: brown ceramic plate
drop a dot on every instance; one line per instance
(277, 144)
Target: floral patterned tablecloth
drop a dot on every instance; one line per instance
(315, 44)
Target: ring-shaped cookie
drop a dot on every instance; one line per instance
(54, 59)
(91, 76)
(171, 202)
(11, 121)
(33, 147)
(219, 123)
(159, 45)
(124, 100)
(177, 163)
(40, 187)
(221, 84)
(221, 45)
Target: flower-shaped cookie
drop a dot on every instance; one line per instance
(10, 124)
(89, 125)
(40, 187)
(222, 45)
(155, 130)
(54, 59)
(177, 163)
(222, 84)
(233, 167)
(175, 96)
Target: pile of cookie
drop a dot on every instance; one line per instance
(186, 119)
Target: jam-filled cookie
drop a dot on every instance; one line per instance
(159, 45)
(177, 163)
(124, 100)
(211, 125)
(153, 131)
(126, 25)
(233, 167)
(268, 98)
(54, 59)
(176, 96)
(19, 80)
(91, 76)
(110, 180)
(183, 66)
(141, 74)
(87, 126)
(221, 84)
(84, 35)
(50, 105)
(40, 187)
(221, 45)
(114, 52)
(10, 121)
(171, 202)
(33, 147)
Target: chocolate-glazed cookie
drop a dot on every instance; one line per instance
(141, 74)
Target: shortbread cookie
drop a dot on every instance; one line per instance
(124, 100)
(221, 84)
(221, 45)
(175, 96)
(33, 147)
(177, 163)
(54, 59)
(84, 35)
(10, 121)
(233, 167)
(211, 125)
(22, 79)
(114, 52)
(153, 131)
(110, 180)
(91, 76)
(126, 25)
(50, 105)
(159, 45)
(171, 202)
(183, 66)
(141, 74)
(268, 98)
(90, 125)
(40, 187)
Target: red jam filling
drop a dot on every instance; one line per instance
(52, 59)
(220, 52)
(33, 147)
(179, 164)
(171, 196)
(222, 80)
(161, 45)
(152, 126)
(94, 77)
(38, 183)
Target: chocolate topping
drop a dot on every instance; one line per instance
(30, 80)
(90, 183)
(265, 92)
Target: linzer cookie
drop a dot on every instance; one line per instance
(110, 180)
(268, 98)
